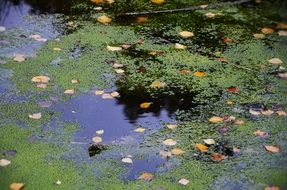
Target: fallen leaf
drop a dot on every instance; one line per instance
(275, 61)
(115, 94)
(186, 34)
(114, 48)
(107, 96)
(236, 150)
(227, 40)
(145, 105)
(229, 102)
(40, 79)
(58, 182)
(282, 26)
(104, 19)
(97, 1)
(171, 126)
(4, 162)
(69, 91)
(35, 116)
(100, 132)
(57, 49)
(203, 6)
(239, 122)
(16, 186)
(281, 113)
(146, 176)
(42, 85)
(139, 130)
(2, 29)
(271, 188)
(183, 181)
(282, 75)
(273, 149)
(259, 133)
(199, 74)
(217, 157)
(158, 84)
(222, 59)
(169, 142)
(110, 1)
(19, 58)
(267, 30)
(38, 38)
(158, 2)
(267, 112)
(127, 160)
(201, 147)
(185, 71)
(119, 71)
(164, 154)
(232, 89)
(258, 36)
(282, 33)
(177, 152)
(141, 19)
(99, 92)
(126, 46)
(179, 46)
(215, 119)
(97, 139)
(210, 15)
(209, 141)
(253, 112)
(118, 65)
(74, 81)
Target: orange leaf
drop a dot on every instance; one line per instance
(199, 74)
(141, 19)
(271, 188)
(97, 1)
(260, 133)
(267, 30)
(273, 149)
(104, 19)
(41, 79)
(16, 186)
(146, 176)
(145, 105)
(201, 147)
(227, 40)
(217, 157)
(157, 1)
(282, 26)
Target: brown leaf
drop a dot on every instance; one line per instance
(267, 112)
(16, 186)
(141, 19)
(145, 105)
(217, 157)
(227, 40)
(282, 26)
(126, 46)
(282, 33)
(282, 75)
(232, 89)
(259, 36)
(272, 188)
(104, 19)
(281, 113)
(273, 149)
(201, 147)
(146, 176)
(267, 30)
(239, 122)
(185, 71)
(275, 61)
(97, 1)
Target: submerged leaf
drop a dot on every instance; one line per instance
(145, 105)
(107, 96)
(104, 19)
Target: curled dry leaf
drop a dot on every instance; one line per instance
(273, 149)
(217, 157)
(16, 186)
(281, 113)
(186, 34)
(215, 119)
(104, 19)
(146, 176)
(164, 154)
(107, 96)
(267, 30)
(114, 48)
(4, 162)
(232, 89)
(19, 58)
(261, 134)
(97, 139)
(169, 142)
(177, 152)
(40, 79)
(171, 126)
(179, 46)
(35, 116)
(267, 112)
(239, 122)
(253, 112)
(145, 105)
(119, 71)
(201, 147)
(183, 181)
(115, 94)
(158, 84)
(99, 92)
(282, 75)
(100, 132)
(141, 19)
(275, 61)
(69, 91)
(127, 160)
(209, 141)
(158, 2)
(139, 130)
(258, 36)
(199, 74)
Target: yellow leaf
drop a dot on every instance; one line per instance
(158, 2)
(201, 147)
(273, 149)
(41, 79)
(139, 130)
(57, 49)
(186, 34)
(97, 139)
(179, 46)
(281, 113)
(267, 112)
(97, 1)
(35, 116)
(177, 152)
(69, 91)
(141, 19)
(171, 126)
(199, 74)
(169, 142)
(115, 94)
(104, 19)
(146, 176)
(99, 92)
(215, 119)
(114, 48)
(16, 186)
(145, 105)
(258, 36)
(158, 84)
(19, 58)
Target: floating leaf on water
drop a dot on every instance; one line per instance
(215, 119)
(115, 94)
(100, 132)
(267, 112)
(239, 122)
(179, 46)
(158, 2)
(183, 181)
(282, 33)
(104, 19)
(273, 149)
(259, 133)
(141, 19)
(99, 92)
(146, 176)
(165, 154)
(4, 162)
(177, 152)
(139, 130)
(35, 116)
(282, 75)
(186, 34)
(127, 160)
(217, 157)
(158, 84)
(19, 58)
(171, 126)
(199, 74)
(201, 147)
(40, 79)
(74, 81)
(253, 112)
(114, 48)
(16, 186)
(232, 89)
(275, 61)
(258, 36)
(57, 49)
(145, 105)
(209, 141)
(267, 30)
(69, 91)
(107, 96)
(281, 113)
(97, 139)
(119, 71)
(169, 142)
